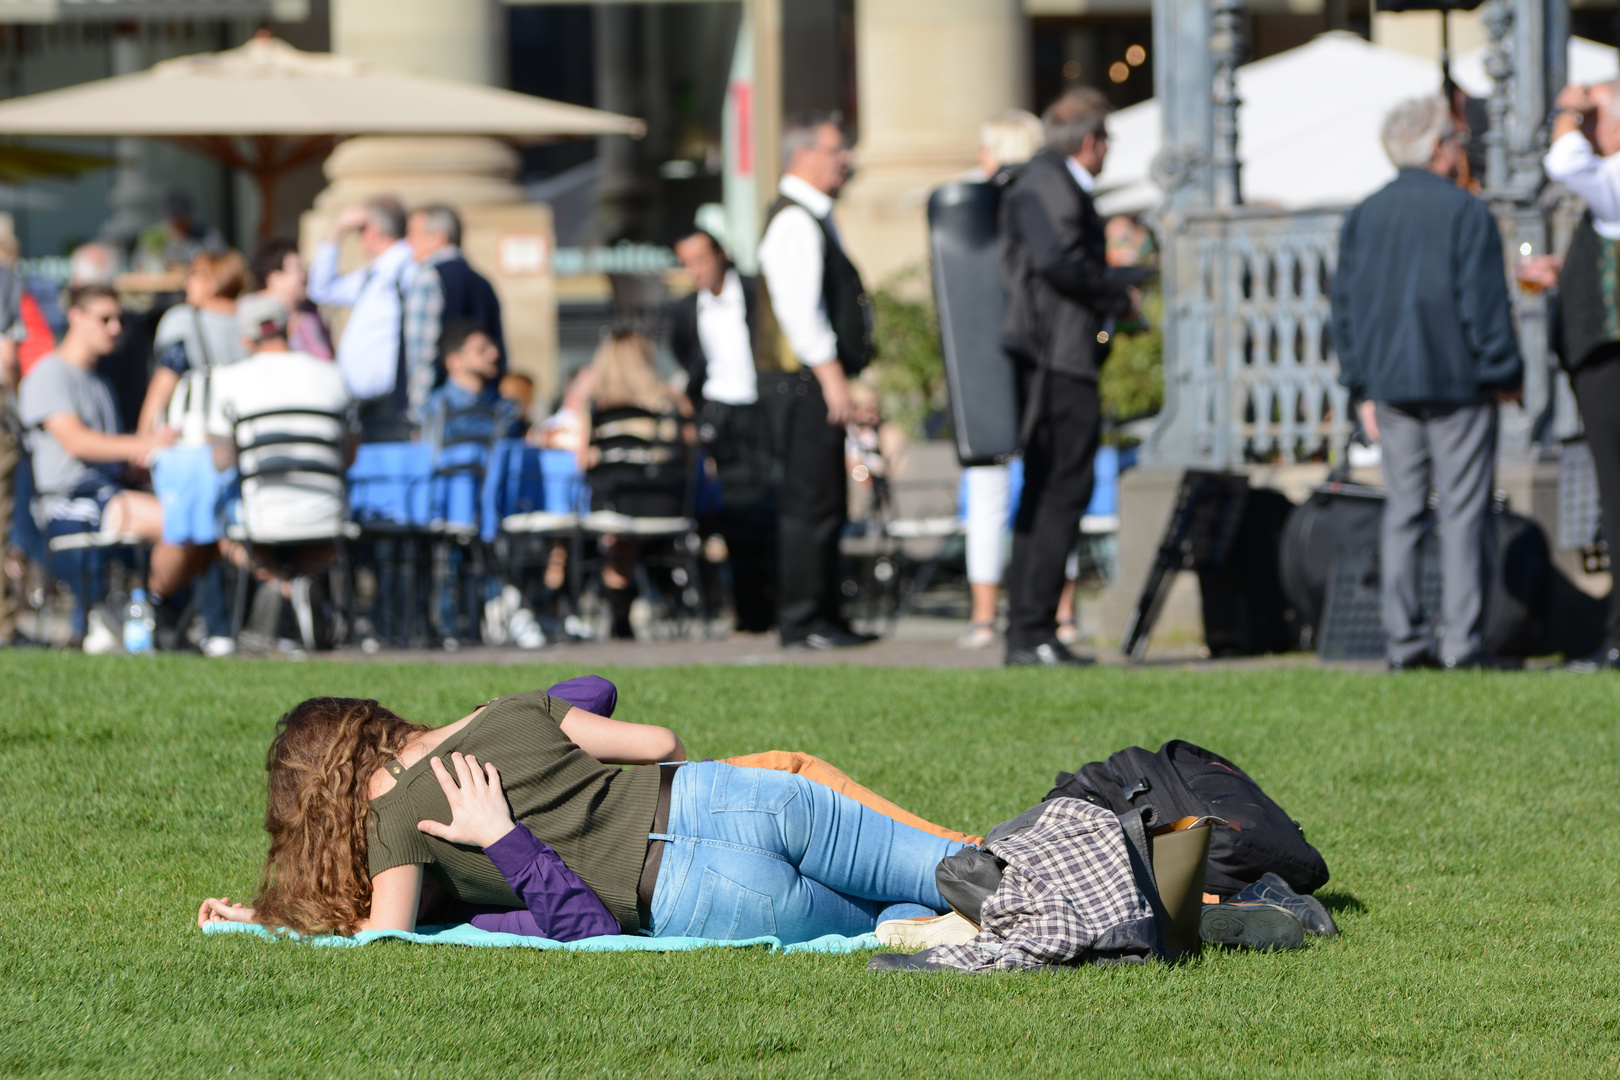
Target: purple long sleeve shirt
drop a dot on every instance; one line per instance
(559, 905)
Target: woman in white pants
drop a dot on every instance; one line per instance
(1005, 142)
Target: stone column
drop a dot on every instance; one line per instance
(928, 73)
(506, 239)
(133, 198)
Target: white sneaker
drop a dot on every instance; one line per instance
(525, 630)
(926, 932)
(99, 640)
(216, 647)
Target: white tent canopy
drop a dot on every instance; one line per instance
(1308, 125)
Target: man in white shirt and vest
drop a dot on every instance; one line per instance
(825, 317)
(713, 333)
(369, 354)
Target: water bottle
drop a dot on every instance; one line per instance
(139, 624)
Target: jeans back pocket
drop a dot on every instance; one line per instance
(726, 911)
(738, 788)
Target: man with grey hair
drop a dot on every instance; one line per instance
(1424, 332)
(444, 290)
(369, 354)
(1062, 299)
(817, 297)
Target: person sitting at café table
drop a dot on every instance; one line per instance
(469, 406)
(80, 458)
(296, 516)
(196, 336)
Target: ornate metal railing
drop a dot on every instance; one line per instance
(1251, 374)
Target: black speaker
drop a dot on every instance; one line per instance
(1330, 576)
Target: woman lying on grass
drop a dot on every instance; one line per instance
(366, 808)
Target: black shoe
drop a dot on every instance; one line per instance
(1605, 659)
(1251, 926)
(1423, 662)
(1046, 654)
(831, 637)
(1272, 889)
(167, 633)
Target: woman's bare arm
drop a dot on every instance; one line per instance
(615, 742)
(395, 895)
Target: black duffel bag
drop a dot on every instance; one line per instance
(1183, 780)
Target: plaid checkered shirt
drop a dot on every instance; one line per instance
(1068, 881)
(423, 312)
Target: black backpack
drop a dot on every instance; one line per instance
(1183, 780)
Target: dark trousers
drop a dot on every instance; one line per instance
(1597, 392)
(814, 508)
(738, 439)
(1057, 489)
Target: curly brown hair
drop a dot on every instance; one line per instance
(316, 877)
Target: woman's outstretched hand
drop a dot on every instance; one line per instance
(220, 909)
(478, 811)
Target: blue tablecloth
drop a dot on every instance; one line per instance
(395, 484)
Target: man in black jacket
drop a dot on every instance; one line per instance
(1424, 331)
(712, 334)
(1061, 303)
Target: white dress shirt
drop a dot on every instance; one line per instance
(1087, 182)
(722, 324)
(1571, 161)
(792, 260)
(368, 352)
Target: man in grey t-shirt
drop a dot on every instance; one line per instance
(71, 422)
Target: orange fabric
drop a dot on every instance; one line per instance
(813, 768)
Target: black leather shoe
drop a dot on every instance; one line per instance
(1271, 889)
(1046, 654)
(1251, 926)
(829, 638)
(1425, 662)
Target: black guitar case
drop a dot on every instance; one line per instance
(967, 295)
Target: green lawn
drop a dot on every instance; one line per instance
(1468, 820)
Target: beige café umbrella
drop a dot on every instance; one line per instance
(267, 107)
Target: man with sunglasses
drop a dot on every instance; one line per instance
(370, 353)
(71, 421)
(1062, 300)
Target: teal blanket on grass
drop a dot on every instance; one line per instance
(468, 934)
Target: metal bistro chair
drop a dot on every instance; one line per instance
(294, 452)
(390, 502)
(541, 498)
(642, 458)
(463, 442)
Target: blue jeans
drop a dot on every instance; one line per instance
(756, 852)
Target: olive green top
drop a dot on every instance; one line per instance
(595, 816)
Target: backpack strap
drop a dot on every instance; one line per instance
(1139, 849)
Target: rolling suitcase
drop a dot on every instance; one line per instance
(968, 298)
